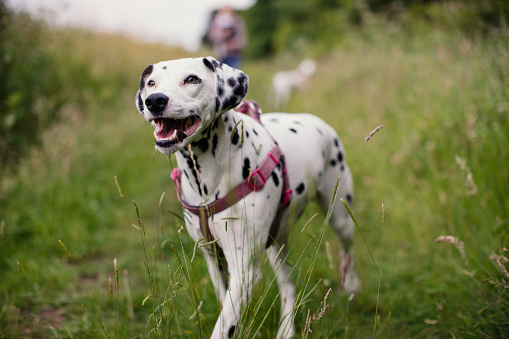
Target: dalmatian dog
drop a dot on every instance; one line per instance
(190, 104)
(284, 82)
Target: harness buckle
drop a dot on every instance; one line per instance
(255, 184)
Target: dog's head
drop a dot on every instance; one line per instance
(182, 97)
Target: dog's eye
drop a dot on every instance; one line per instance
(151, 83)
(192, 79)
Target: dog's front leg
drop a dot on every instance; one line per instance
(217, 268)
(243, 273)
(286, 292)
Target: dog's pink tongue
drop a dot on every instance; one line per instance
(166, 129)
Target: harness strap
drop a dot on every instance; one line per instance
(251, 108)
(253, 183)
(286, 196)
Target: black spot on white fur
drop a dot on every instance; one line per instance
(349, 198)
(231, 332)
(144, 75)
(293, 130)
(218, 104)
(214, 144)
(254, 147)
(232, 82)
(239, 90)
(229, 103)
(203, 144)
(235, 137)
(340, 156)
(275, 178)
(300, 188)
(209, 64)
(140, 103)
(193, 167)
(246, 169)
(216, 64)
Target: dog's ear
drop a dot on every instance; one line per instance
(144, 75)
(139, 102)
(231, 85)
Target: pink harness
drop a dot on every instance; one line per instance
(253, 183)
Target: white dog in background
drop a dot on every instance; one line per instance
(285, 81)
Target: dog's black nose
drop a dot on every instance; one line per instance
(156, 103)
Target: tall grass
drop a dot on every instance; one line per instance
(438, 167)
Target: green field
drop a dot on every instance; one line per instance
(439, 167)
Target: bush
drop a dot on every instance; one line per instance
(27, 84)
(315, 26)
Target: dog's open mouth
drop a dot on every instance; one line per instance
(171, 131)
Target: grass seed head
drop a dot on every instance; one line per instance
(373, 132)
(20, 268)
(118, 187)
(320, 312)
(453, 241)
(65, 248)
(115, 266)
(501, 261)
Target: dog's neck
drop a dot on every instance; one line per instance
(206, 162)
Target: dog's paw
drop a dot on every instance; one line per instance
(350, 282)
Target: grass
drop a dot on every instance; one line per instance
(438, 167)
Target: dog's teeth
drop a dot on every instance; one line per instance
(159, 125)
(173, 135)
(188, 123)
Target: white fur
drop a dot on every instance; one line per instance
(284, 82)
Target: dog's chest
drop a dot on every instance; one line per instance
(229, 150)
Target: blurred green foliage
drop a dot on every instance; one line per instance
(29, 90)
(437, 166)
(35, 89)
(315, 26)
(44, 76)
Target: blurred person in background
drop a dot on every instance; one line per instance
(227, 34)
